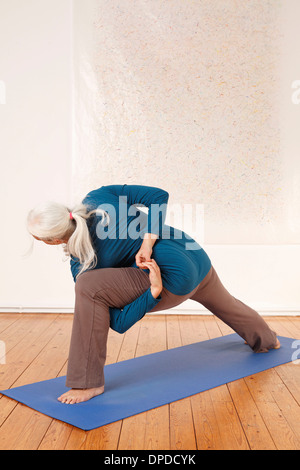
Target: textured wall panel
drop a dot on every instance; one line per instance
(186, 95)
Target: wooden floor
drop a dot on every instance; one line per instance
(259, 412)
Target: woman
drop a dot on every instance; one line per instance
(126, 263)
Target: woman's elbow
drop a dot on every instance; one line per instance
(119, 328)
(166, 195)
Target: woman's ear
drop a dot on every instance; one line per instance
(57, 241)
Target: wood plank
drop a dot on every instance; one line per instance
(212, 327)
(173, 331)
(279, 326)
(114, 346)
(255, 429)
(287, 327)
(295, 326)
(23, 429)
(43, 366)
(157, 429)
(260, 386)
(6, 407)
(286, 403)
(231, 431)
(20, 330)
(207, 432)
(225, 329)
(76, 440)
(217, 424)
(21, 326)
(47, 364)
(56, 436)
(26, 348)
(129, 344)
(182, 432)
(152, 337)
(192, 328)
(7, 320)
(104, 438)
(290, 375)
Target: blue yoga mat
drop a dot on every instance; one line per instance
(147, 382)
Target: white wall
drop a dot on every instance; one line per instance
(35, 145)
(69, 125)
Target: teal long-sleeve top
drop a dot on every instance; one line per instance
(182, 261)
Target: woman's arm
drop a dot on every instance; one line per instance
(154, 277)
(139, 194)
(155, 199)
(123, 319)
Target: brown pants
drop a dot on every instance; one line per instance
(99, 289)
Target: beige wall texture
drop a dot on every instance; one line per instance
(193, 96)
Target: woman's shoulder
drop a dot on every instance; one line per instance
(98, 196)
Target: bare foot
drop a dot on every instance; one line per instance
(78, 395)
(277, 345)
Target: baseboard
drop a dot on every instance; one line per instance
(36, 310)
(174, 311)
(204, 312)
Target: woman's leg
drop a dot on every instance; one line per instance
(242, 319)
(95, 291)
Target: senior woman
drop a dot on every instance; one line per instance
(126, 263)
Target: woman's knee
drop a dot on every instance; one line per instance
(80, 283)
(88, 282)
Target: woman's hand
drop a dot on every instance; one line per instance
(155, 277)
(145, 252)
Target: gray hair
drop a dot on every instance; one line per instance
(51, 220)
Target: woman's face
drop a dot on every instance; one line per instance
(55, 241)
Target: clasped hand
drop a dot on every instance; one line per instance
(143, 260)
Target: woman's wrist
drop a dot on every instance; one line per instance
(155, 291)
(150, 238)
